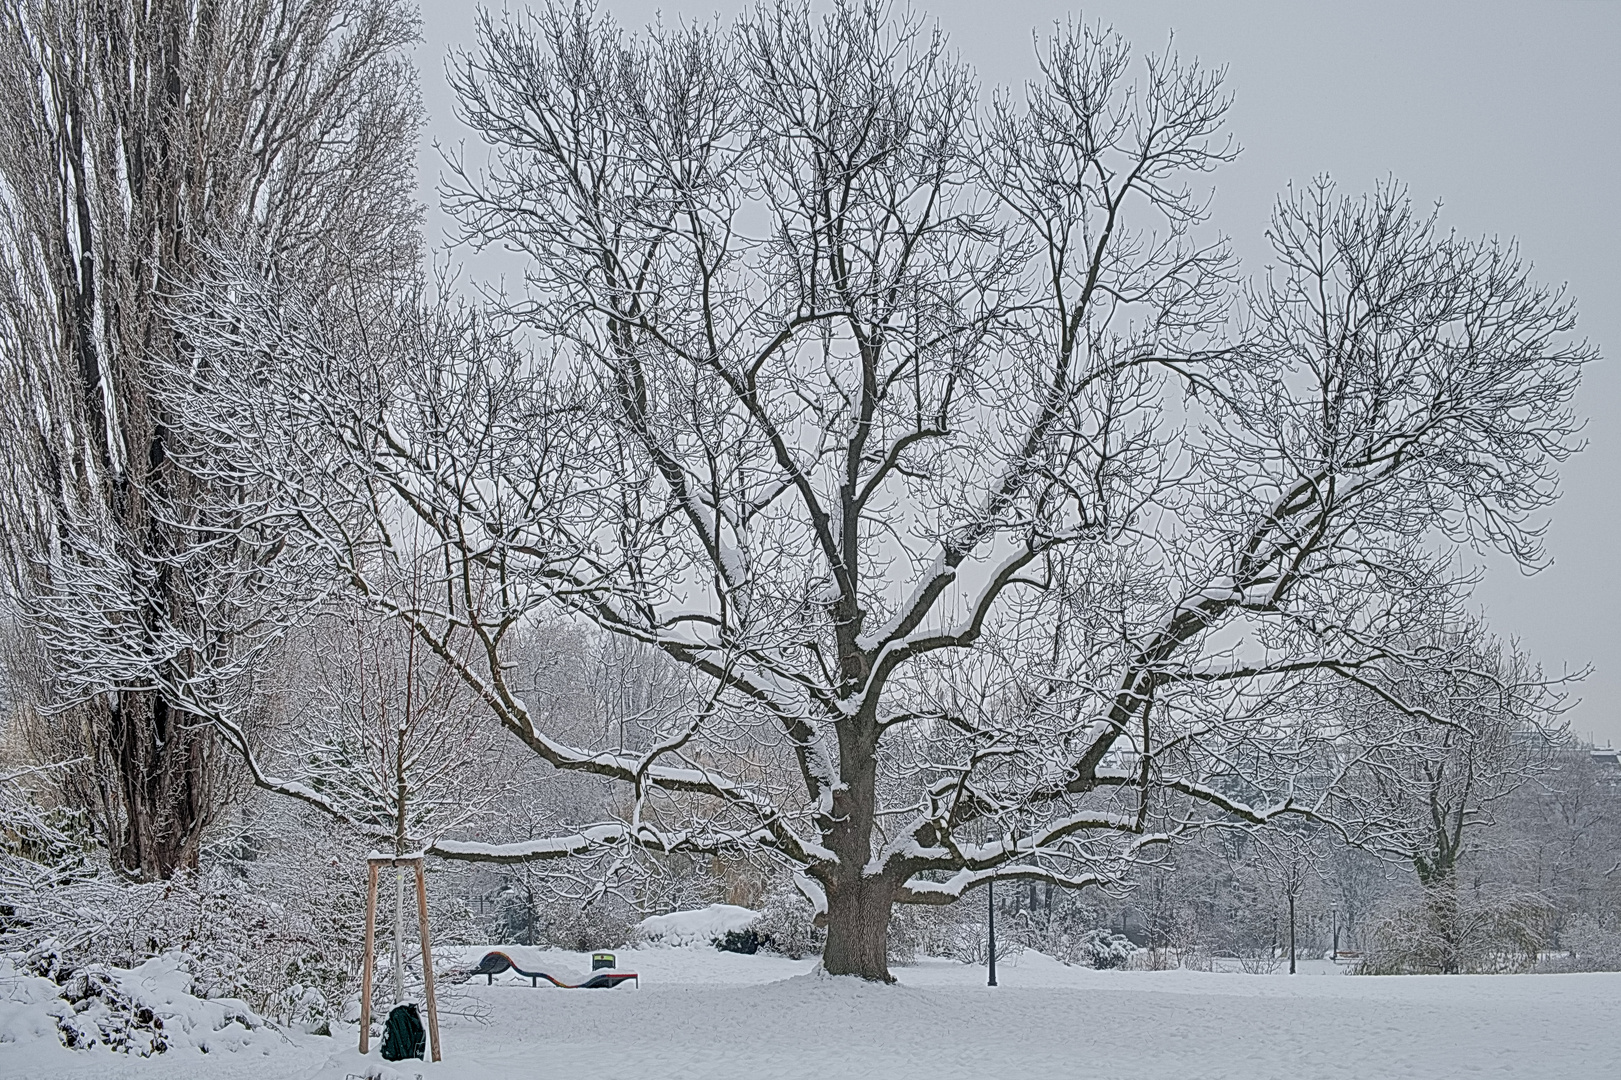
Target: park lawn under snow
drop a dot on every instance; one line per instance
(701, 1013)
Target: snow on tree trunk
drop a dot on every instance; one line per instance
(399, 936)
(157, 781)
(1442, 930)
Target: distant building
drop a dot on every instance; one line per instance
(1607, 763)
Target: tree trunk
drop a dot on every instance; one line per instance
(156, 779)
(399, 936)
(139, 136)
(858, 930)
(1441, 905)
(990, 933)
(1291, 933)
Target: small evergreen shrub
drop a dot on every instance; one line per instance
(747, 941)
(1104, 950)
(787, 923)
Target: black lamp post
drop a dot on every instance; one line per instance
(990, 909)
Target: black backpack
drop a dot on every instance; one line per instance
(403, 1037)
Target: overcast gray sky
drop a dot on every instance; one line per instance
(1508, 113)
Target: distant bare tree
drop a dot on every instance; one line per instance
(1431, 789)
(1290, 860)
(919, 436)
(1356, 880)
(1568, 833)
(137, 137)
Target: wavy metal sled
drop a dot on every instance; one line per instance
(497, 961)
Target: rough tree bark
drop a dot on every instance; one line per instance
(163, 762)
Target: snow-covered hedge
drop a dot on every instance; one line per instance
(703, 927)
(1587, 944)
(788, 922)
(144, 1010)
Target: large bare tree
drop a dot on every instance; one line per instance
(138, 136)
(1001, 533)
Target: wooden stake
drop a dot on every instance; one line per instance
(366, 966)
(373, 865)
(427, 958)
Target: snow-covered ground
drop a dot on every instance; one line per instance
(701, 1013)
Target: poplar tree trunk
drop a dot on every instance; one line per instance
(156, 784)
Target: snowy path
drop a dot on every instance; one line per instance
(705, 1014)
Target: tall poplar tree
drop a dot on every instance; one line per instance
(140, 137)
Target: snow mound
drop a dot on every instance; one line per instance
(683, 929)
(139, 1011)
(29, 1007)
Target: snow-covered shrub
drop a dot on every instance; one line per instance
(102, 1014)
(931, 931)
(515, 922)
(1587, 943)
(1105, 950)
(1475, 933)
(700, 927)
(1070, 930)
(976, 948)
(608, 923)
(788, 922)
(260, 920)
(41, 846)
(1262, 961)
(294, 957)
(955, 931)
(748, 941)
(1195, 957)
(145, 1010)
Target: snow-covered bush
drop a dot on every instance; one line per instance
(748, 942)
(145, 1010)
(1069, 929)
(955, 931)
(103, 1014)
(579, 905)
(260, 919)
(294, 956)
(1259, 961)
(607, 923)
(934, 931)
(701, 927)
(788, 922)
(1105, 950)
(514, 922)
(1588, 944)
(40, 846)
(1472, 933)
